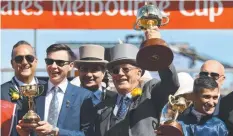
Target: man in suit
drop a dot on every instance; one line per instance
(135, 110)
(64, 109)
(226, 112)
(92, 70)
(24, 63)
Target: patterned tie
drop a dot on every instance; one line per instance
(53, 107)
(124, 103)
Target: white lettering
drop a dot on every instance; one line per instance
(61, 8)
(163, 5)
(115, 8)
(93, 8)
(212, 13)
(25, 5)
(205, 8)
(39, 7)
(136, 6)
(183, 11)
(87, 13)
(16, 10)
(6, 9)
(75, 8)
(126, 11)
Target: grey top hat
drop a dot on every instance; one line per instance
(123, 54)
(91, 54)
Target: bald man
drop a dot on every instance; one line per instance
(215, 70)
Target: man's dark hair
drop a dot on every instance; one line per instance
(204, 82)
(60, 47)
(22, 42)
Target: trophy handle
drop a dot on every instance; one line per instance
(164, 23)
(170, 98)
(136, 27)
(40, 90)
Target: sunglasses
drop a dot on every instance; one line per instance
(60, 63)
(214, 75)
(92, 69)
(125, 70)
(19, 59)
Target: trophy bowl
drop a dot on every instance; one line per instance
(153, 55)
(30, 119)
(171, 128)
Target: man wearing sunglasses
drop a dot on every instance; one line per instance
(136, 109)
(24, 63)
(215, 70)
(64, 109)
(92, 70)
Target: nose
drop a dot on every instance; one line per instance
(89, 74)
(121, 72)
(24, 61)
(212, 103)
(54, 65)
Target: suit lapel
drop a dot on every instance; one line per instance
(68, 100)
(105, 110)
(13, 85)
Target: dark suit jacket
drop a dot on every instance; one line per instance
(22, 104)
(144, 112)
(226, 112)
(77, 113)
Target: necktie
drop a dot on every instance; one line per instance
(53, 108)
(124, 103)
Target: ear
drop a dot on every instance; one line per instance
(71, 66)
(12, 64)
(139, 72)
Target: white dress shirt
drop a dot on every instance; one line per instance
(49, 96)
(117, 106)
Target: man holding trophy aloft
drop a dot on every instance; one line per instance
(135, 110)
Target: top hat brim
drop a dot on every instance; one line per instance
(113, 63)
(80, 62)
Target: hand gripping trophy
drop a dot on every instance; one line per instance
(30, 119)
(169, 126)
(153, 55)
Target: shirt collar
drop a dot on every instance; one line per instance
(197, 114)
(63, 85)
(33, 82)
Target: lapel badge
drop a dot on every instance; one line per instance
(67, 104)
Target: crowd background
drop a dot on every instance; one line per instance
(191, 47)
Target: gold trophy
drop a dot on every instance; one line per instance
(30, 119)
(153, 55)
(175, 106)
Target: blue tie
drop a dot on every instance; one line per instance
(124, 103)
(53, 108)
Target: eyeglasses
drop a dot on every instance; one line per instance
(60, 63)
(125, 70)
(214, 75)
(19, 59)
